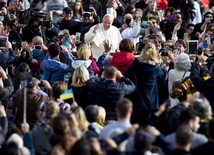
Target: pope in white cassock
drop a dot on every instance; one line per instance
(101, 32)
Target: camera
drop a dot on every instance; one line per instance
(153, 36)
(16, 44)
(128, 21)
(164, 52)
(37, 47)
(46, 24)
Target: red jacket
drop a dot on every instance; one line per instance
(122, 60)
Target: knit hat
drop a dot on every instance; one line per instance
(33, 82)
(182, 62)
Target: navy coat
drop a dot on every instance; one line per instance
(146, 78)
(204, 87)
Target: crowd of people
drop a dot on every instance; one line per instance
(138, 77)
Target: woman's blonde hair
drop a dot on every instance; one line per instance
(80, 76)
(81, 118)
(84, 52)
(149, 54)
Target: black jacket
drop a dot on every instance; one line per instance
(207, 148)
(204, 87)
(108, 92)
(14, 36)
(70, 25)
(7, 90)
(180, 152)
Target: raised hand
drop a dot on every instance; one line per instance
(107, 46)
(96, 28)
(177, 27)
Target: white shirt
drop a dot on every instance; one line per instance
(197, 18)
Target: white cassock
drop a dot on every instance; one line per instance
(128, 33)
(112, 34)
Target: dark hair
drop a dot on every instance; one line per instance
(189, 25)
(54, 50)
(12, 24)
(187, 115)
(169, 9)
(210, 129)
(154, 17)
(210, 26)
(9, 149)
(26, 56)
(82, 147)
(183, 135)
(181, 41)
(126, 45)
(123, 107)
(91, 113)
(208, 13)
(128, 9)
(110, 72)
(182, 16)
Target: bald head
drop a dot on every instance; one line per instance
(37, 40)
(107, 21)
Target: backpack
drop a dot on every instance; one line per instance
(182, 89)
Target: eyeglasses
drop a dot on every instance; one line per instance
(209, 17)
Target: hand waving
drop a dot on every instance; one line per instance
(107, 46)
(96, 28)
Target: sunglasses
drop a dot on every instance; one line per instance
(86, 16)
(178, 17)
(157, 42)
(212, 30)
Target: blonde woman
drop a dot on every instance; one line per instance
(83, 54)
(147, 73)
(79, 79)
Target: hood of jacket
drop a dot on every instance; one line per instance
(81, 62)
(52, 65)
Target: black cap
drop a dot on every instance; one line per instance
(67, 9)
